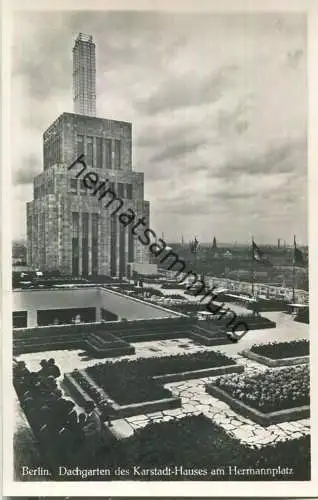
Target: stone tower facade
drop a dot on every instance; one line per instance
(68, 229)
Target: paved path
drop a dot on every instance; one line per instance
(195, 400)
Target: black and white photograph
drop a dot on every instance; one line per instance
(160, 258)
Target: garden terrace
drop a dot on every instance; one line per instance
(269, 397)
(280, 353)
(113, 338)
(74, 336)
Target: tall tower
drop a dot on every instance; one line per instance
(84, 76)
(68, 229)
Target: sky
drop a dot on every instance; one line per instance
(218, 104)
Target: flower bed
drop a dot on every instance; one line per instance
(131, 381)
(166, 364)
(271, 391)
(124, 387)
(82, 387)
(278, 350)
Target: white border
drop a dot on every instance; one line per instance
(167, 488)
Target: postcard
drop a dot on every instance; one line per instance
(159, 234)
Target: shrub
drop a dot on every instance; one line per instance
(279, 350)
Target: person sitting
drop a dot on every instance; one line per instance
(21, 376)
(78, 433)
(66, 444)
(41, 417)
(43, 372)
(51, 398)
(29, 404)
(53, 369)
(20, 370)
(81, 420)
(49, 384)
(59, 411)
(92, 429)
(35, 384)
(108, 413)
(70, 415)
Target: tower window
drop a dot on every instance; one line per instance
(73, 185)
(80, 145)
(108, 154)
(120, 190)
(129, 191)
(117, 154)
(90, 155)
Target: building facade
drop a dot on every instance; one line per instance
(68, 228)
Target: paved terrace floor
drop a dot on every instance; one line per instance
(192, 392)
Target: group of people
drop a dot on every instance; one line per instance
(63, 431)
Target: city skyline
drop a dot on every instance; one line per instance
(245, 109)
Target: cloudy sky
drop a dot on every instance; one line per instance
(218, 105)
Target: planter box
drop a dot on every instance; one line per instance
(259, 324)
(208, 337)
(49, 345)
(226, 324)
(264, 419)
(103, 345)
(120, 411)
(205, 372)
(75, 390)
(111, 352)
(275, 362)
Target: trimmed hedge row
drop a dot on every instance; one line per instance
(281, 350)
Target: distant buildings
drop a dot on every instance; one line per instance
(68, 229)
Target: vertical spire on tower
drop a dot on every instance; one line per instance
(84, 75)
